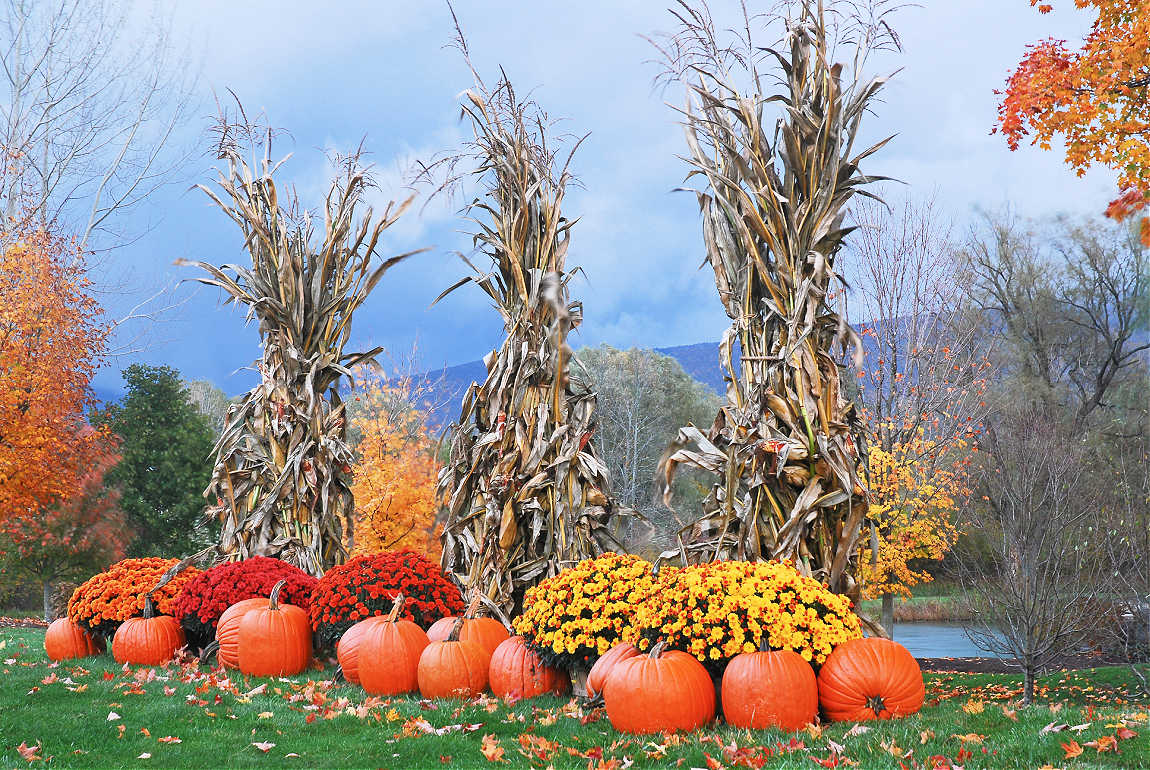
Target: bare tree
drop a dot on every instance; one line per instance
(90, 111)
(1033, 589)
(923, 385)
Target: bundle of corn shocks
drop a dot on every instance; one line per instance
(281, 481)
(786, 446)
(525, 491)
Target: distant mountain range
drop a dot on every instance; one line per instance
(700, 360)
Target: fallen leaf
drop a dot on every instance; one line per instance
(145, 755)
(1072, 749)
(1011, 714)
(973, 707)
(169, 739)
(925, 736)
(29, 752)
(264, 746)
(145, 732)
(970, 738)
(1081, 727)
(265, 715)
(491, 749)
(1125, 733)
(113, 716)
(1053, 727)
(858, 729)
(1104, 743)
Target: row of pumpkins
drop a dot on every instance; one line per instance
(652, 692)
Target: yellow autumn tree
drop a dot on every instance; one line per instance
(394, 475)
(915, 494)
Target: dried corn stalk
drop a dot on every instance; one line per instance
(786, 446)
(525, 491)
(281, 481)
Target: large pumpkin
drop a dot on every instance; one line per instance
(228, 630)
(488, 633)
(389, 650)
(147, 641)
(659, 692)
(65, 639)
(603, 667)
(347, 650)
(870, 678)
(452, 668)
(275, 640)
(517, 671)
(770, 689)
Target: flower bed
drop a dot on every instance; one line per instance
(366, 585)
(576, 616)
(715, 611)
(105, 600)
(208, 594)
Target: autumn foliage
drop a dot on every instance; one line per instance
(395, 471)
(51, 341)
(1095, 98)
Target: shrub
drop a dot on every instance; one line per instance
(576, 616)
(366, 585)
(208, 594)
(105, 600)
(715, 611)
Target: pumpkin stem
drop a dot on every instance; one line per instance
(455, 629)
(396, 606)
(875, 704)
(657, 648)
(274, 599)
(473, 606)
(149, 608)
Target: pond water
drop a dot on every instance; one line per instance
(936, 640)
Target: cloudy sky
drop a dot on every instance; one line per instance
(380, 72)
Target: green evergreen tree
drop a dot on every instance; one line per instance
(166, 450)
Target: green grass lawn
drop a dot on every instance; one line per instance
(94, 714)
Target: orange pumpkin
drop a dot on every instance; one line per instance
(148, 641)
(228, 630)
(276, 640)
(603, 667)
(389, 650)
(488, 633)
(770, 689)
(347, 650)
(659, 692)
(870, 678)
(65, 639)
(452, 668)
(517, 671)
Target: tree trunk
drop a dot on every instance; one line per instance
(1028, 685)
(888, 613)
(49, 591)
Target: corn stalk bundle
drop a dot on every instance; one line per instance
(526, 493)
(786, 445)
(281, 483)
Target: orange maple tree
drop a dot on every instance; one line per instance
(51, 341)
(395, 470)
(1096, 98)
(80, 534)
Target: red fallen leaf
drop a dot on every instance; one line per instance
(1125, 733)
(595, 752)
(831, 761)
(109, 676)
(608, 764)
(145, 732)
(169, 739)
(29, 752)
(120, 731)
(712, 763)
(1104, 743)
(445, 759)
(310, 718)
(1072, 750)
(50, 679)
(491, 749)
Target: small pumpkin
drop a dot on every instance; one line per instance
(517, 671)
(65, 639)
(275, 640)
(603, 667)
(388, 653)
(453, 668)
(770, 689)
(228, 630)
(488, 633)
(347, 650)
(870, 678)
(148, 641)
(659, 692)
